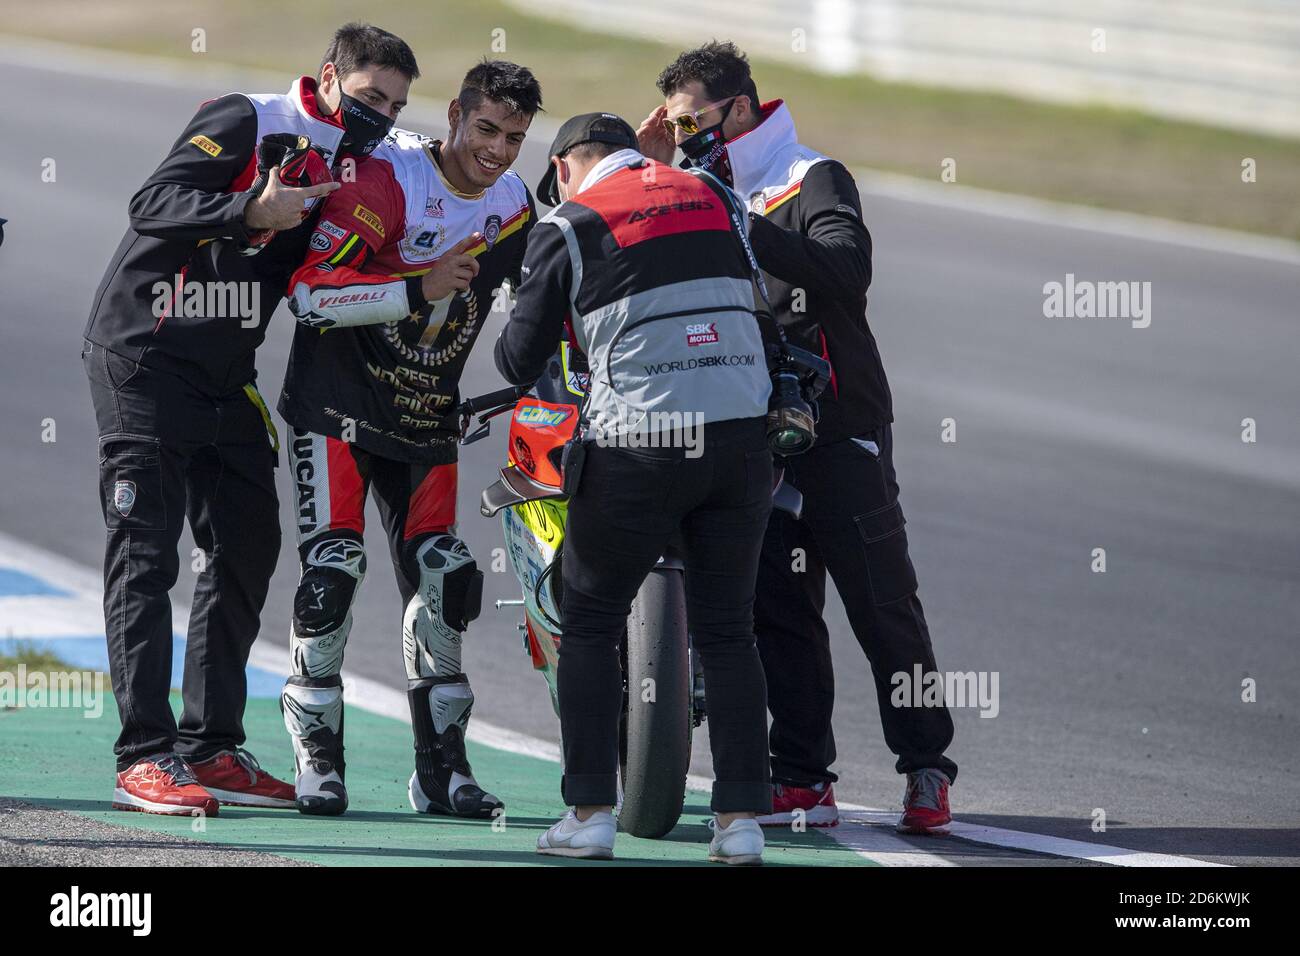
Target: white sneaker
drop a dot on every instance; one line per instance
(590, 839)
(740, 844)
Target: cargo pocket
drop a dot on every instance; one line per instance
(130, 483)
(891, 576)
(118, 369)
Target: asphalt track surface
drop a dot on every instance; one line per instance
(1118, 690)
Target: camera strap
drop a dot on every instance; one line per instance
(770, 329)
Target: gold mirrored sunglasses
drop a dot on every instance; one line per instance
(689, 123)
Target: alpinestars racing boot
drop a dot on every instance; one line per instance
(443, 782)
(313, 715)
(437, 615)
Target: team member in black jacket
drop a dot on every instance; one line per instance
(808, 235)
(182, 430)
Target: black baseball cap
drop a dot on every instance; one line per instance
(586, 128)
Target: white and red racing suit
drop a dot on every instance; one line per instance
(370, 354)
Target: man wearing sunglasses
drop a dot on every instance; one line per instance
(807, 233)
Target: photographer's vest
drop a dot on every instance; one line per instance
(662, 301)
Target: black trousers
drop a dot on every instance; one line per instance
(629, 504)
(851, 526)
(168, 452)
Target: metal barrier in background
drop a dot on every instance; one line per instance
(1229, 63)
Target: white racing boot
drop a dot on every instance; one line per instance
(451, 590)
(314, 719)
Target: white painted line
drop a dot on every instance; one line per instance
(1036, 842)
(864, 830)
(879, 843)
(79, 614)
(430, 112)
(44, 616)
(83, 615)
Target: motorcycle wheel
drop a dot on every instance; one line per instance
(655, 748)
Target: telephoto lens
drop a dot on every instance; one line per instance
(790, 422)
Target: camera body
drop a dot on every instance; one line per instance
(798, 379)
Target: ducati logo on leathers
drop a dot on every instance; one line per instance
(304, 472)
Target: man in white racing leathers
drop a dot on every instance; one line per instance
(403, 269)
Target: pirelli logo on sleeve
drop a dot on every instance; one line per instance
(211, 147)
(371, 219)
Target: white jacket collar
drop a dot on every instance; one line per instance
(753, 153)
(608, 166)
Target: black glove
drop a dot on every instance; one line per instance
(300, 164)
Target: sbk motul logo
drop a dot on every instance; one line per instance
(704, 333)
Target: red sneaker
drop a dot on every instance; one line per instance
(817, 804)
(925, 805)
(234, 778)
(162, 783)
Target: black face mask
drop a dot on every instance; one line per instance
(707, 149)
(364, 128)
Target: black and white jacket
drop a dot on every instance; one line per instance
(647, 269)
(808, 235)
(181, 219)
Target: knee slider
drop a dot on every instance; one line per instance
(332, 570)
(450, 595)
(450, 581)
